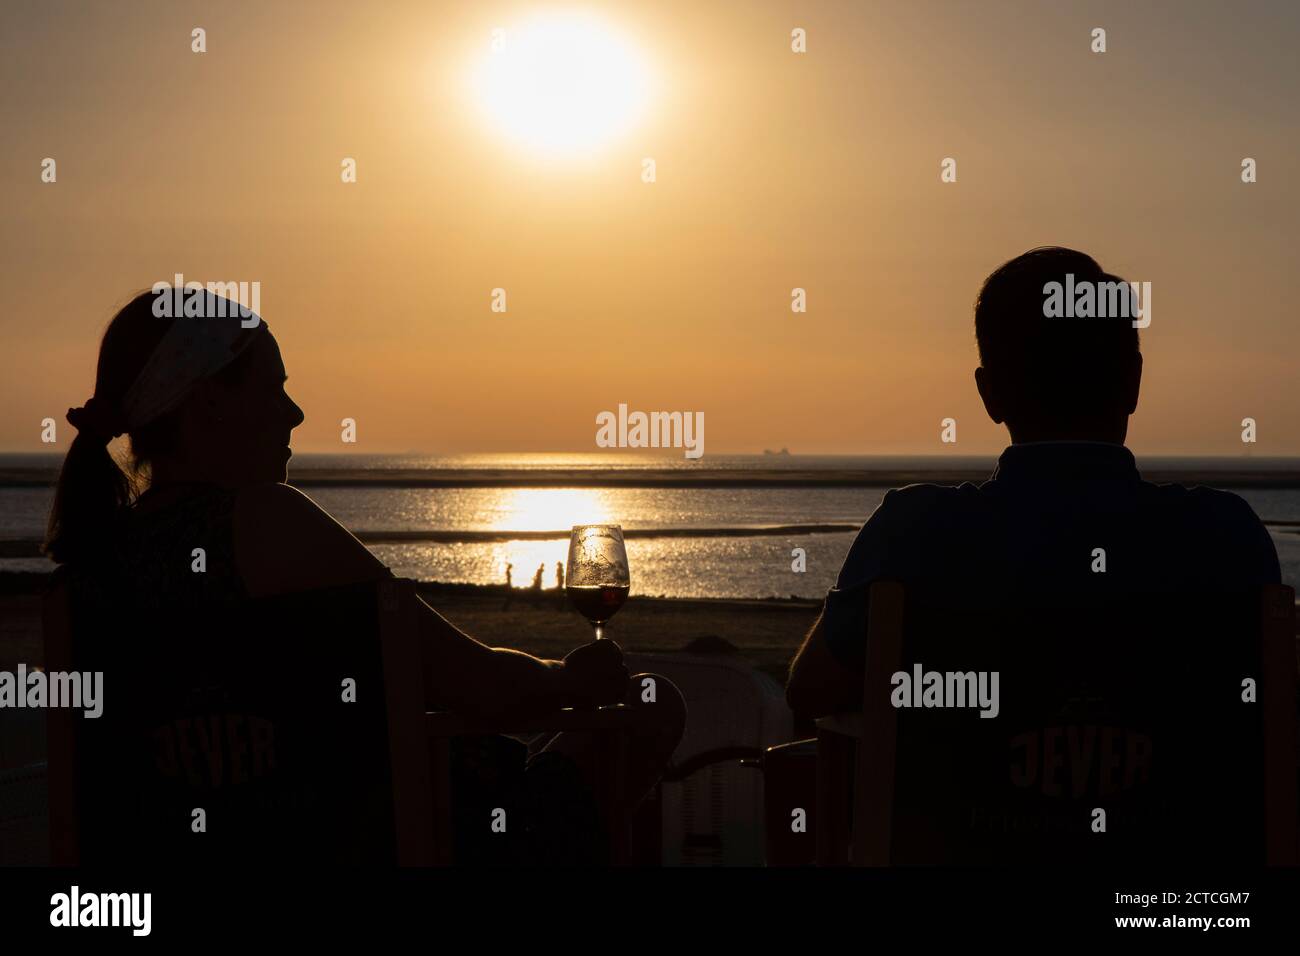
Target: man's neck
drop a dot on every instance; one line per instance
(1021, 435)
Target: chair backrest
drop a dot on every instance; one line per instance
(1138, 709)
(241, 713)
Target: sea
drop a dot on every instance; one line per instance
(782, 534)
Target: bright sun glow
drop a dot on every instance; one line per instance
(562, 83)
(549, 509)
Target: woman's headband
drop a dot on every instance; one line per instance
(192, 349)
(195, 347)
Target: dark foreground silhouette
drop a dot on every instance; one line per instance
(1124, 620)
(203, 523)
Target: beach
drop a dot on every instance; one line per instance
(766, 633)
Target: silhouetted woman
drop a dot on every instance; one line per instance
(202, 400)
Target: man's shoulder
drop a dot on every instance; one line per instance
(1223, 523)
(903, 527)
(924, 497)
(900, 540)
(1204, 503)
(921, 507)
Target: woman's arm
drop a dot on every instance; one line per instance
(467, 677)
(284, 542)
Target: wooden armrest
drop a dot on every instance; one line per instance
(445, 724)
(792, 748)
(846, 725)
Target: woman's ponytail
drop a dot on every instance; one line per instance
(93, 489)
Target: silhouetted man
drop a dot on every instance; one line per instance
(1066, 486)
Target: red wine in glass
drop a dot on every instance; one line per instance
(597, 602)
(596, 579)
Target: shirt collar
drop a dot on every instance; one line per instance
(1066, 461)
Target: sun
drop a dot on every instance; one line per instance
(561, 83)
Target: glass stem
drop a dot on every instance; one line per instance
(600, 631)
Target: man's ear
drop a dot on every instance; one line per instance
(1133, 386)
(989, 393)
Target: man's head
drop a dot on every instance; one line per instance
(1054, 378)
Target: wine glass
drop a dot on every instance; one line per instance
(596, 579)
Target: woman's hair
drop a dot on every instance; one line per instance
(93, 489)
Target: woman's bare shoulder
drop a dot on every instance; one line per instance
(279, 503)
(286, 542)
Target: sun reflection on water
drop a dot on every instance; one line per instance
(542, 509)
(550, 509)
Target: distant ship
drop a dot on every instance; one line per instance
(784, 452)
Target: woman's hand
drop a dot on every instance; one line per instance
(594, 674)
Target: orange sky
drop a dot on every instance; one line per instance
(774, 170)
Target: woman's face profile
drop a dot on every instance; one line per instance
(251, 419)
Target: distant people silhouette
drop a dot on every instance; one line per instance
(203, 402)
(1064, 388)
(535, 589)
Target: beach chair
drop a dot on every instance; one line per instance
(711, 799)
(1133, 707)
(296, 724)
